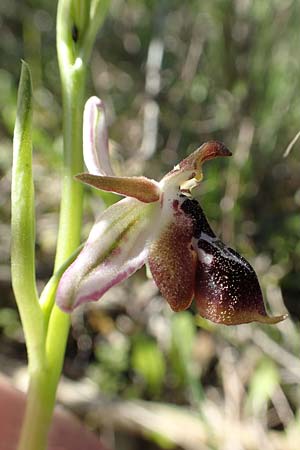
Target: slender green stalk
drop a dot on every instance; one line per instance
(43, 385)
(22, 254)
(38, 416)
(73, 75)
(73, 65)
(98, 12)
(47, 331)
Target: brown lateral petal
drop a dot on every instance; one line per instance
(227, 290)
(141, 188)
(173, 263)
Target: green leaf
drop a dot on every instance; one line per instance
(148, 361)
(98, 12)
(262, 386)
(183, 335)
(183, 339)
(80, 13)
(160, 440)
(23, 221)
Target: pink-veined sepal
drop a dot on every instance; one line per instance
(115, 249)
(95, 138)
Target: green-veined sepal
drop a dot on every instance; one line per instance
(115, 249)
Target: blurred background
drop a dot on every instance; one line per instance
(173, 74)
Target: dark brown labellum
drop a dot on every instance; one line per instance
(227, 290)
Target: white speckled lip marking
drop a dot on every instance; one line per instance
(220, 247)
(204, 257)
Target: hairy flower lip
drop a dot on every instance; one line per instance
(227, 290)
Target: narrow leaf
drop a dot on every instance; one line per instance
(98, 12)
(22, 208)
(80, 13)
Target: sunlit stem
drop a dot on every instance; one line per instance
(44, 381)
(46, 327)
(23, 266)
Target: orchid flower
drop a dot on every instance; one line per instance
(159, 223)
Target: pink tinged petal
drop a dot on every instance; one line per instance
(141, 188)
(95, 138)
(227, 290)
(172, 261)
(115, 249)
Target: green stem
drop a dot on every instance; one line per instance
(72, 191)
(68, 240)
(98, 12)
(44, 381)
(37, 415)
(72, 57)
(73, 83)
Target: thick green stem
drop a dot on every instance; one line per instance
(68, 240)
(43, 382)
(37, 415)
(72, 191)
(70, 213)
(73, 55)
